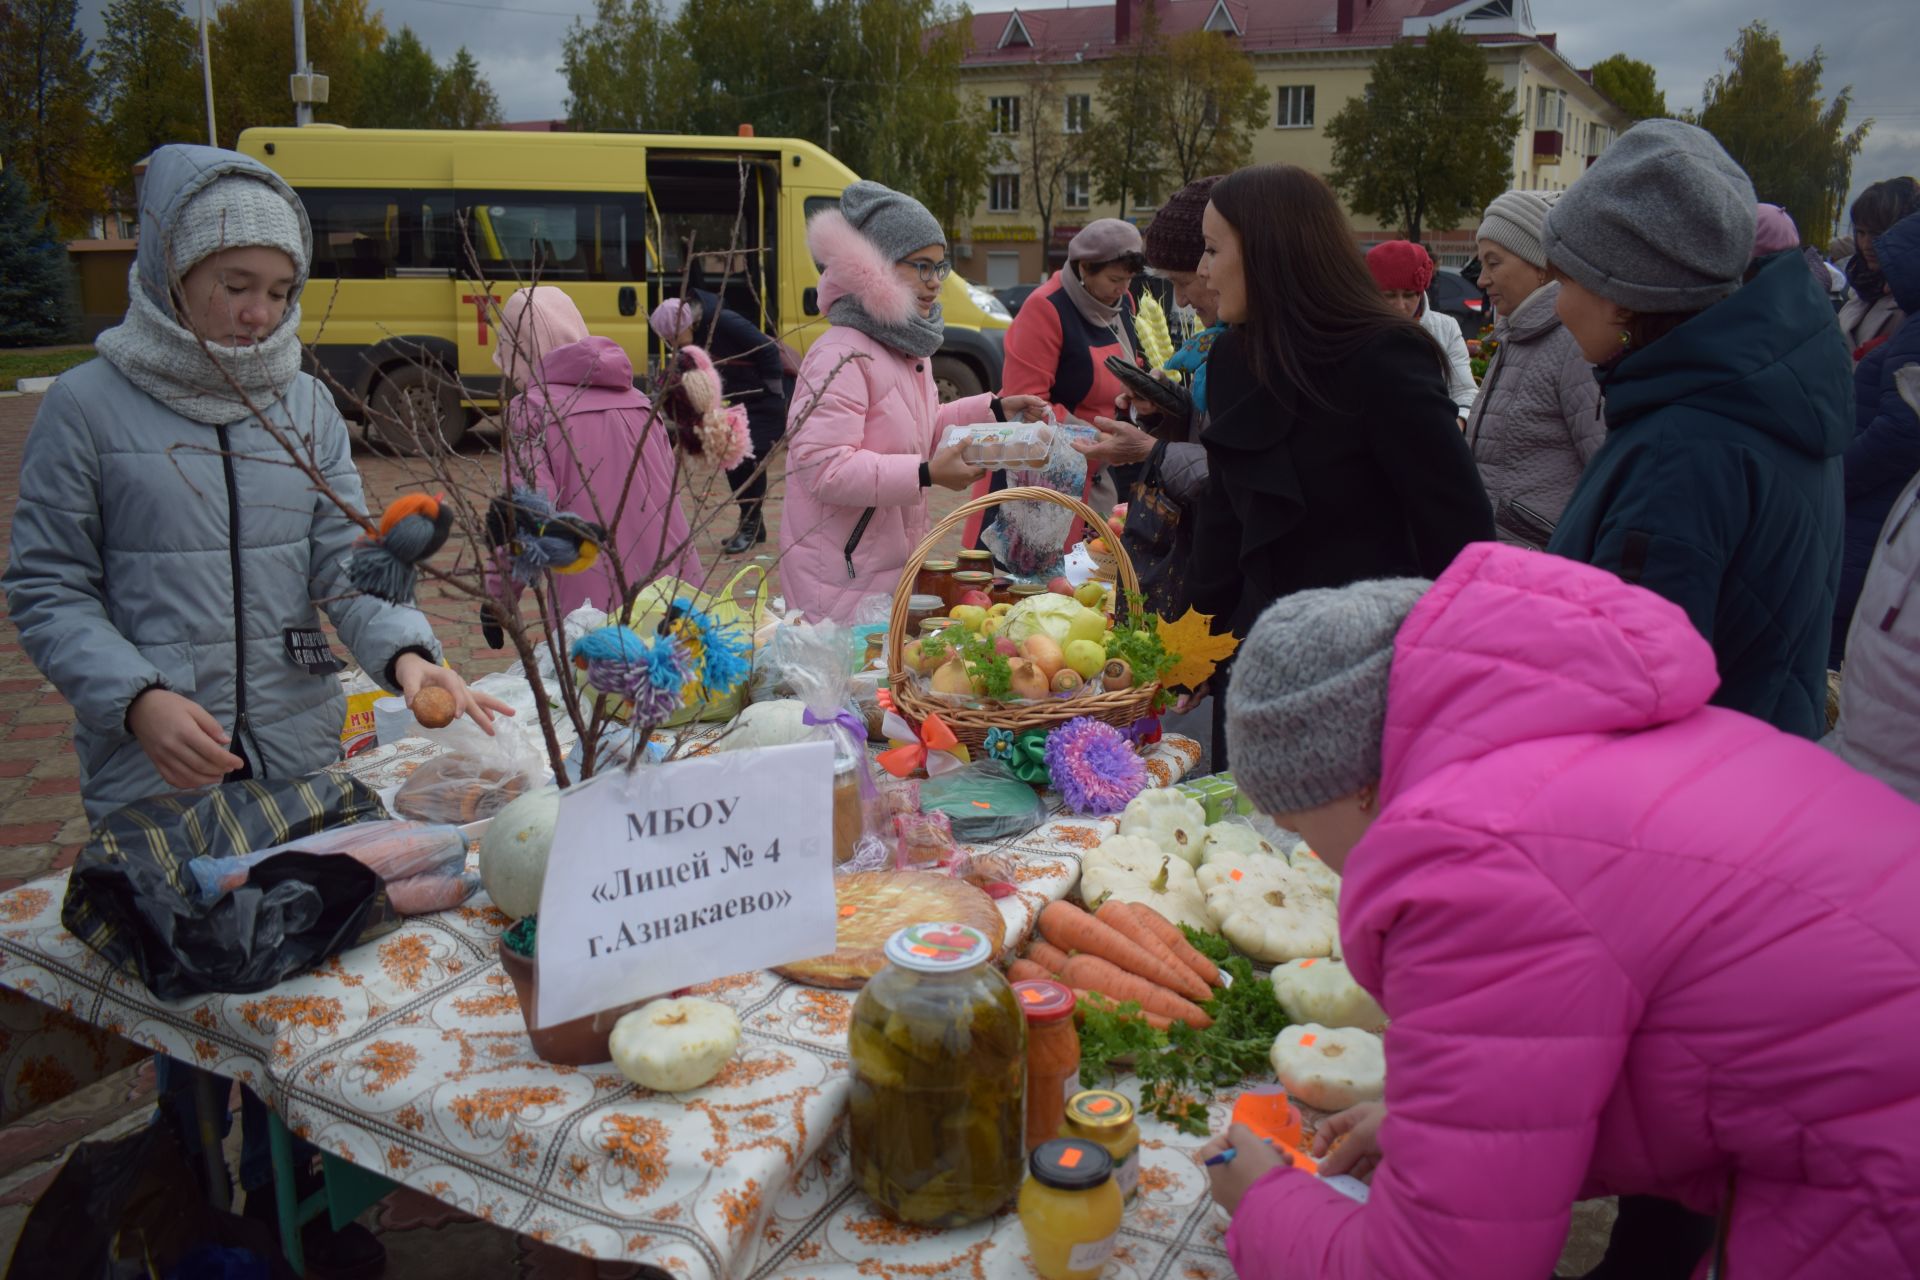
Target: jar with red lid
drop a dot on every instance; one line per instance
(1053, 1056)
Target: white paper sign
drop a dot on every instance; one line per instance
(674, 875)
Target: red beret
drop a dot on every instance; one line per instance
(1400, 265)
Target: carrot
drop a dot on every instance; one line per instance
(1071, 929)
(1028, 971)
(1046, 955)
(1095, 974)
(1159, 1022)
(1124, 922)
(1169, 933)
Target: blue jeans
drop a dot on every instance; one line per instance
(176, 1105)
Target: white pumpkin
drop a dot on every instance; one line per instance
(1135, 869)
(1234, 836)
(767, 724)
(1267, 909)
(1169, 819)
(513, 852)
(1330, 1067)
(1323, 991)
(671, 1046)
(1309, 864)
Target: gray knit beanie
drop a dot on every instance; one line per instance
(1307, 701)
(1662, 222)
(1514, 221)
(897, 224)
(236, 212)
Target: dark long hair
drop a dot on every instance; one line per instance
(1883, 204)
(1311, 302)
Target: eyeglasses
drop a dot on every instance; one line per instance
(930, 272)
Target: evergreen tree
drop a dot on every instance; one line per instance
(36, 284)
(150, 82)
(1629, 82)
(253, 56)
(464, 99)
(400, 84)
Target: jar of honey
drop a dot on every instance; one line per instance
(1070, 1209)
(936, 579)
(1053, 1056)
(1106, 1117)
(970, 580)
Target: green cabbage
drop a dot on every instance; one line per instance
(1047, 612)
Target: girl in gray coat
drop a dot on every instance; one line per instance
(1537, 422)
(167, 560)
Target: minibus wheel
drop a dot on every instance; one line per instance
(411, 404)
(955, 379)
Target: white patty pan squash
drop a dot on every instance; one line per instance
(767, 724)
(513, 852)
(1170, 820)
(1267, 909)
(1135, 869)
(671, 1046)
(1330, 1067)
(1236, 837)
(1323, 991)
(1307, 863)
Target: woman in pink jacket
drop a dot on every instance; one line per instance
(573, 433)
(1628, 943)
(865, 418)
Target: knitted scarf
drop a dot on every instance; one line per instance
(206, 383)
(1094, 310)
(917, 335)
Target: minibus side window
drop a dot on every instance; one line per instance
(517, 237)
(361, 235)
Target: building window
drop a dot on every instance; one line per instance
(1079, 190)
(1079, 111)
(1003, 193)
(1005, 113)
(1295, 106)
(1553, 109)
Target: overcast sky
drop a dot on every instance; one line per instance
(1869, 44)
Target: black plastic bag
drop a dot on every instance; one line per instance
(132, 899)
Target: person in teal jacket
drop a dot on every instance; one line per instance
(1728, 412)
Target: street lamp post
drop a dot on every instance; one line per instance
(206, 76)
(302, 106)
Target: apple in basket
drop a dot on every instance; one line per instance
(976, 598)
(1060, 587)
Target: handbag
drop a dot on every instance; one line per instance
(1158, 535)
(1520, 525)
(725, 606)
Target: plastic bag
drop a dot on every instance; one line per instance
(1030, 538)
(984, 801)
(476, 778)
(129, 896)
(817, 673)
(394, 849)
(614, 749)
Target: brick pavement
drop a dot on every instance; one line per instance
(41, 825)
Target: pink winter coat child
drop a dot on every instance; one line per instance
(575, 430)
(854, 507)
(1628, 943)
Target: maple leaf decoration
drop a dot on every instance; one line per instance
(1199, 651)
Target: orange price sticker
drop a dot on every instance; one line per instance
(848, 911)
(1100, 1106)
(981, 804)
(1236, 875)
(1308, 964)
(1031, 996)
(926, 951)
(1306, 1041)
(1070, 1158)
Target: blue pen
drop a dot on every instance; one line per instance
(1226, 1157)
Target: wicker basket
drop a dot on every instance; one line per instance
(970, 722)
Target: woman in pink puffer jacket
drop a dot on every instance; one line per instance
(1629, 943)
(865, 419)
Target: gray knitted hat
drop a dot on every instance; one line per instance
(1308, 698)
(896, 223)
(1514, 221)
(1662, 222)
(236, 212)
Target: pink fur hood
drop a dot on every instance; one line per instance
(855, 268)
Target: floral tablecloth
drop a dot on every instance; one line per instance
(409, 1057)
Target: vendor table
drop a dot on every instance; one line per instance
(408, 1058)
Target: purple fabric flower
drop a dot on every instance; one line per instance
(1094, 767)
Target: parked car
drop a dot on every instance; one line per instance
(1012, 297)
(1453, 294)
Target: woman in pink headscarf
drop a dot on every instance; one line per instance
(573, 433)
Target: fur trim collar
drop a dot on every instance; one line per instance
(853, 267)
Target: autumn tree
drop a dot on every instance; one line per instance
(755, 62)
(1431, 140)
(47, 92)
(37, 305)
(1048, 153)
(464, 99)
(253, 56)
(1629, 82)
(1126, 155)
(1769, 115)
(399, 85)
(1210, 105)
(149, 82)
(627, 71)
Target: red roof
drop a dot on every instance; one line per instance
(1265, 26)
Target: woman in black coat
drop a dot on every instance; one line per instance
(751, 374)
(1334, 452)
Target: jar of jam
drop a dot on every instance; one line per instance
(920, 608)
(1070, 1209)
(976, 562)
(1106, 1117)
(970, 580)
(1001, 592)
(935, 579)
(1053, 1056)
(876, 657)
(939, 1047)
(1024, 591)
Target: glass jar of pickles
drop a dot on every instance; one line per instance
(936, 579)
(937, 1116)
(1070, 1209)
(1106, 1117)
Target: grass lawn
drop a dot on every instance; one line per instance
(15, 365)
